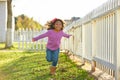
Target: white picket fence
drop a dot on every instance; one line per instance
(24, 40)
(96, 37)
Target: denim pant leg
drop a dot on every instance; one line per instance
(55, 57)
(49, 55)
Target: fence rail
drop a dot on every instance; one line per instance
(96, 37)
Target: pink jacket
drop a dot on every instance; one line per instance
(54, 38)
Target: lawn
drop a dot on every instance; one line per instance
(17, 65)
(33, 66)
(15, 46)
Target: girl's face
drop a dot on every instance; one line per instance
(58, 25)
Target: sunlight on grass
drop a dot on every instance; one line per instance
(2, 45)
(14, 47)
(17, 45)
(33, 66)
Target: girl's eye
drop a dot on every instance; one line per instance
(58, 24)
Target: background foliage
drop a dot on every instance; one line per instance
(23, 22)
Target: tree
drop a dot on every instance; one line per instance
(24, 22)
(9, 34)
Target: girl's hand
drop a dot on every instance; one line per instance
(33, 40)
(71, 35)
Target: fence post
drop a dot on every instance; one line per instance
(83, 43)
(18, 38)
(93, 64)
(117, 45)
(26, 39)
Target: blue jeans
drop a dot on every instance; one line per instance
(52, 56)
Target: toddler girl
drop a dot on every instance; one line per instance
(54, 34)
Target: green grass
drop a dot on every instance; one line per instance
(14, 47)
(33, 66)
(2, 45)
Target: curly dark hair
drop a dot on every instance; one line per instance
(52, 23)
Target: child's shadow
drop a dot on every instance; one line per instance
(63, 70)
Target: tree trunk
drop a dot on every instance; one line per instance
(9, 32)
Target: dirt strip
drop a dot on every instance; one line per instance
(100, 75)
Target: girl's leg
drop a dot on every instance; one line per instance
(49, 55)
(55, 57)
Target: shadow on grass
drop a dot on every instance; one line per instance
(33, 66)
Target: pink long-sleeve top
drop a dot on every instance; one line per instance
(54, 38)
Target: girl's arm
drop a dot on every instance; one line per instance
(66, 35)
(40, 37)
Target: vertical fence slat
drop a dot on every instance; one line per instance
(117, 44)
